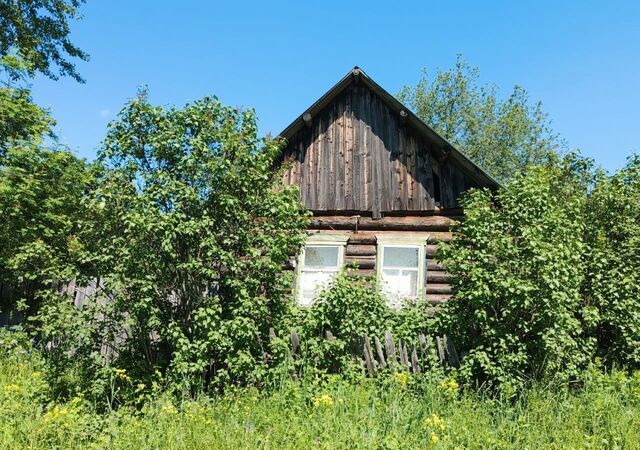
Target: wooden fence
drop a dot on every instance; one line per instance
(397, 356)
(373, 354)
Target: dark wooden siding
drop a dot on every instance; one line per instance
(356, 155)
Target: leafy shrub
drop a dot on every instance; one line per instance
(41, 206)
(189, 229)
(612, 282)
(517, 269)
(349, 307)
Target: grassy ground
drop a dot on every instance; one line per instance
(395, 412)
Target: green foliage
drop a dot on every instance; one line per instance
(502, 136)
(37, 31)
(23, 122)
(517, 265)
(392, 413)
(612, 282)
(189, 228)
(349, 307)
(40, 192)
(40, 203)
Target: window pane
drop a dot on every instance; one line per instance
(321, 256)
(400, 283)
(311, 283)
(400, 257)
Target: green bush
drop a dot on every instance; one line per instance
(349, 307)
(517, 266)
(612, 282)
(188, 230)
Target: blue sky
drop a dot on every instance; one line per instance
(580, 58)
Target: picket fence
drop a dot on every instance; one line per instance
(376, 355)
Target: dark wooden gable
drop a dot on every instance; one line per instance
(355, 152)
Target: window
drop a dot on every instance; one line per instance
(320, 260)
(401, 268)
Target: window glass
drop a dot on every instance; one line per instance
(400, 257)
(321, 256)
(311, 283)
(319, 266)
(400, 267)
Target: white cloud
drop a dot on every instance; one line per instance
(105, 113)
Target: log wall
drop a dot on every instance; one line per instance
(361, 249)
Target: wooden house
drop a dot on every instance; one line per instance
(383, 188)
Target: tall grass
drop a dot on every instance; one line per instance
(398, 411)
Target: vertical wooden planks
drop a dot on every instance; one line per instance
(356, 156)
(446, 183)
(339, 133)
(348, 152)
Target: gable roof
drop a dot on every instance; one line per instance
(443, 147)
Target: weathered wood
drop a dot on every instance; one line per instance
(361, 250)
(451, 352)
(433, 266)
(433, 288)
(295, 342)
(363, 262)
(368, 355)
(422, 340)
(390, 348)
(438, 299)
(432, 237)
(415, 366)
(404, 358)
(397, 223)
(356, 153)
(440, 348)
(432, 250)
(362, 239)
(329, 335)
(439, 277)
(380, 352)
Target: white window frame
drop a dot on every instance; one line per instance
(403, 241)
(318, 240)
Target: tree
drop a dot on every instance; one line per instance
(517, 269)
(22, 122)
(40, 208)
(40, 195)
(190, 227)
(38, 32)
(612, 282)
(502, 136)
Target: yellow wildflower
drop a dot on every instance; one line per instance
(55, 414)
(12, 388)
(434, 422)
(122, 374)
(323, 400)
(434, 437)
(402, 378)
(169, 409)
(449, 387)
